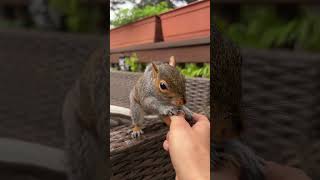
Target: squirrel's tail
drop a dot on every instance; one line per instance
(234, 153)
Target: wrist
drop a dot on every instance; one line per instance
(197, 172)
(196, 176)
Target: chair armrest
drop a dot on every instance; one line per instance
(142, 158)
(27, 155)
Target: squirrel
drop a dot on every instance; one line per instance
(160, 90)
(85, 122)
(227, 116)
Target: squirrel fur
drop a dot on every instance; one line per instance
(160, 90)
(85, 122)
(227, 116)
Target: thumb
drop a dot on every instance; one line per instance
(178, 122)
(179, 130)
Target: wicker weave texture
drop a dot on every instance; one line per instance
(143, 158)
(121, 84)
(198, 93)
(281, 105)
(117, 120)
(37, 69)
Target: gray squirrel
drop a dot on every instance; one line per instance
(227, 149)
(85, 122)
(160, 90)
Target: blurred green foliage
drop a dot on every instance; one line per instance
(125, 16)
(263, 27)
(79, 18)
(187, 69)
(134, 65)
(194, 70)
(115, 4)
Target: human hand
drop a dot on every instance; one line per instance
(189, 147)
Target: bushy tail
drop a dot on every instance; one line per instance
(234, 153)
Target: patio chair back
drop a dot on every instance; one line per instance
(36, 71)
(281, 102)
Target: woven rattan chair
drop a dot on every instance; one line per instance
(281, 111)
(145, 158)
(281, 103)
(36, 71)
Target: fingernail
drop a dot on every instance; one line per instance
(166, 145)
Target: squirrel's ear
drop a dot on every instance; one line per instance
(154, 68)
(172, 61)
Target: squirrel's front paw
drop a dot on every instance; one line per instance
(169, 111)
(136, 132)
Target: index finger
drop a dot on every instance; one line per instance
(178, 122)
(199, 117)
(202, 125)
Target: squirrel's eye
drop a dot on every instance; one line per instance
(163, 86)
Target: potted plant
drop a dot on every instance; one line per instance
(191, 21)
(146, 30)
